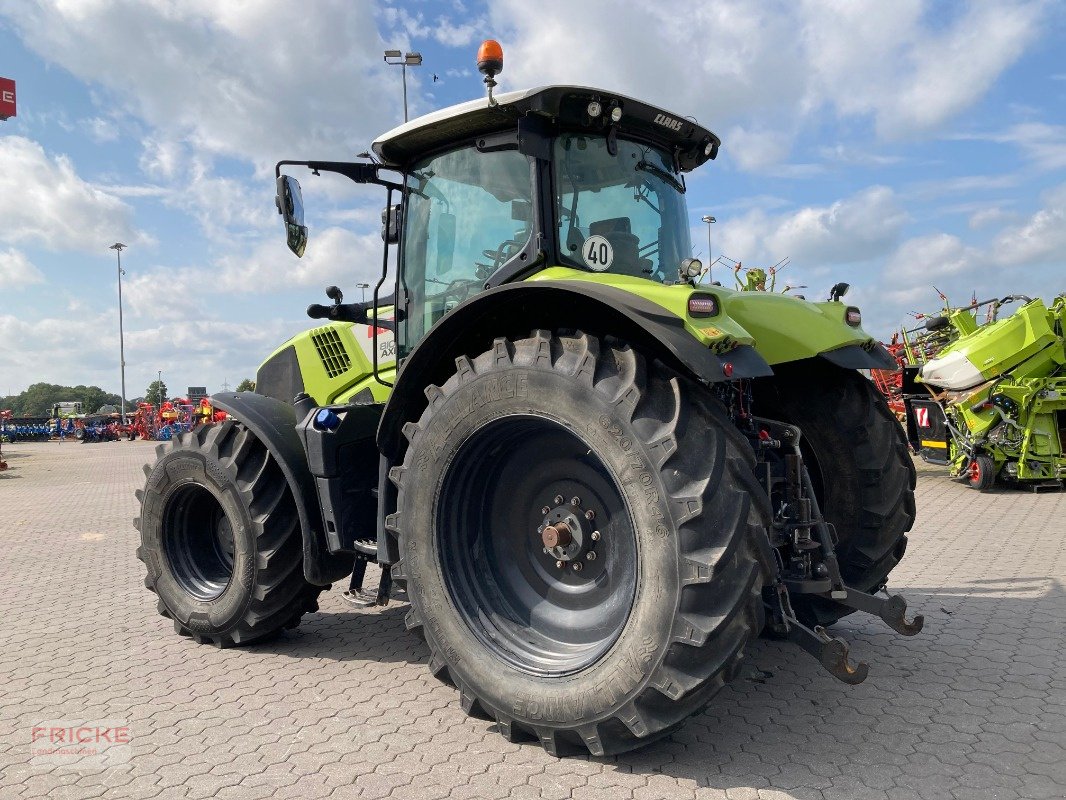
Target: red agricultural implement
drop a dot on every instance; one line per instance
(890, 382)
(171, 418)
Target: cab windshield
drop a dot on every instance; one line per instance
(622, 213)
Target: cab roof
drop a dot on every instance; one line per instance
(564, 107)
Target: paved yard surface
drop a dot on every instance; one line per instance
(343, 707)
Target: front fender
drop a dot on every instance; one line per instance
(514, 310)
(274, 423)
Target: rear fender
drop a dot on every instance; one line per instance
(514, 310)
(274, 424)
(788, 329)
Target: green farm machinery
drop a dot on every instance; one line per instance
(597, 479)
(991, 404)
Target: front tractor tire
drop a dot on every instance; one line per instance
(860, 466)
(583, 541)
(221, 539)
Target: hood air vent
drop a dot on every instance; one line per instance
(331, 350)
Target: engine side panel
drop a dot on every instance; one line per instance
(328, 362)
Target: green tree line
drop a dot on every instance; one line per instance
(38, 399)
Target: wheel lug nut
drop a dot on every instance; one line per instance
(590, 515)
(558, 499)
(544, 511)
(590, 556)
(575, 501)
(595, 536)
(559, 564)
(577, 567)
(545, 551)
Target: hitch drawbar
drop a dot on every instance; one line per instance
(808, 564)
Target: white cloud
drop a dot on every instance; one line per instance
(457, 35)
(258, 81)
(931, 257)
(852, 156)
(1044, 145)
(849, 231)
(44, 202)
(100, 130)
(856, 229)
(772, 68)
(1039, 239)
(161, 158)
(16, 270)
(963, 184)
(331, 252)
(188, 351)
(987, 216)
(906, 67)
(757, 149)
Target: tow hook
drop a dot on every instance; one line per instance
(831, 652)
(891, 608)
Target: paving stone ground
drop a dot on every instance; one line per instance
(343, 707)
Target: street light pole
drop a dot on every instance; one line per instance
(364, 287)
(118, 247)
(404, 60)
(710, 261)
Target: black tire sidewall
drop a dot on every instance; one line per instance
(175, 470)
(598, 690)
(986, 476)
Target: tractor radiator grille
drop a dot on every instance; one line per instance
(331, 350)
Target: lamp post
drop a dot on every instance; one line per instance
(405, 60)
(118, 247)
(710, 261)
(364, 287)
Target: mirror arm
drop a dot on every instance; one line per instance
(354, 170)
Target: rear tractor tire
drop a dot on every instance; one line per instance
(221, 539)
(583, 541)
(861, 468)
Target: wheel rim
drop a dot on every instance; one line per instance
(198, 541)
(506, 498)
(975, 471)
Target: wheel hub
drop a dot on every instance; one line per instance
(567, 533)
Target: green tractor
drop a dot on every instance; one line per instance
(992, 403)
(596, 481)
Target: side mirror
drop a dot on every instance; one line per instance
(290, 203)
(391, 223)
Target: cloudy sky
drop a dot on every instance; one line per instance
(896, 146)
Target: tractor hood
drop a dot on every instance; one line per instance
(567, 107)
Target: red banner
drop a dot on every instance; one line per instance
(7, 98)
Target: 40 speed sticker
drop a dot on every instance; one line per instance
(597, 253)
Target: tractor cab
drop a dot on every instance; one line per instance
(494, 191)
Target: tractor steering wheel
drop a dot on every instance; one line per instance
(459, 289)
(498, 257)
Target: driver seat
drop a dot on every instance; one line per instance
(625, 244)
